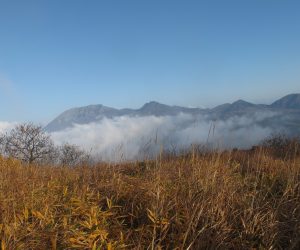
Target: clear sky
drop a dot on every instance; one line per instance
(59, 54)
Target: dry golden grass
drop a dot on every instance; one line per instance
(229, 200)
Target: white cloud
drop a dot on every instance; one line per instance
(134, 137)
(6, 126)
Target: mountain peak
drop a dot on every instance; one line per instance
(291, 101)
(95, 113)
(155, 108)
(153, 104)
(242, 103)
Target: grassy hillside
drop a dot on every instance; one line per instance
(229, 200)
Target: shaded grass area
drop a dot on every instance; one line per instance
(218, 200)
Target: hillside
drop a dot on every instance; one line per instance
(291, 101)
(200, 200)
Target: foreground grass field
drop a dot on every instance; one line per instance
(229, 200)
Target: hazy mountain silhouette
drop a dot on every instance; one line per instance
(286, 113)
(291, 101)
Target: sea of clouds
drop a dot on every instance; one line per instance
(138, 137)
(128, 138)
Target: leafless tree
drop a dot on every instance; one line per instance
(72, 155)
(27, 142)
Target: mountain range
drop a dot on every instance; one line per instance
(285, 113)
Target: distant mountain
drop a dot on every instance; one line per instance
(94, 113)
(237, 107)
(82, 115)
(158, 109)
(288, 102)
(285, 113)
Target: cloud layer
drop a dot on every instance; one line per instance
(137, 137)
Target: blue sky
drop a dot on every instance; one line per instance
(59, 54)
